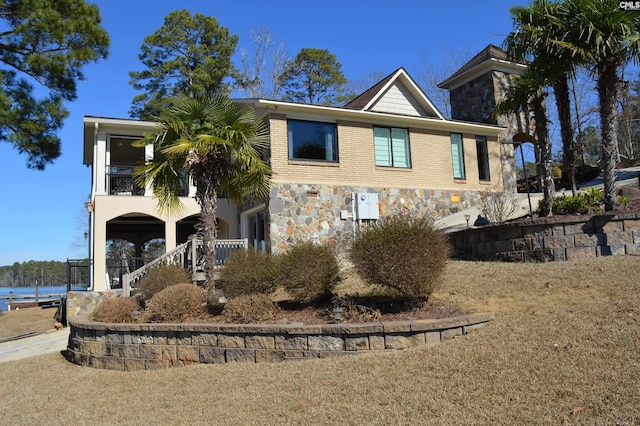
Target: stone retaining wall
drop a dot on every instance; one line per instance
(551, 239)
(152, 346)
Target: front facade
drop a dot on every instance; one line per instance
(387, 151)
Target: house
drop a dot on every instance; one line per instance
(387, 151)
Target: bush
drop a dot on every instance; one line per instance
(569, 205)
(247, 272)
(308, 272)
(159, 278)
(497, 207)
(177, 303)
(249, 308)
(118, 309)
(401, 253)
(591, 200)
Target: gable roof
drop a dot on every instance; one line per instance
(396, 93)
(490, 58)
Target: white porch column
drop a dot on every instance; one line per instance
(148, 156)
(169, 234)
(100, 162)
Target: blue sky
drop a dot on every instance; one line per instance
(42, 211)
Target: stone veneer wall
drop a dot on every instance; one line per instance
(151, 346)
(552, 239)
(85, 302)
(312, 212)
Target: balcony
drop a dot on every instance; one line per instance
(120, 181)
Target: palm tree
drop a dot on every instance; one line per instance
(527, 93)
(532, 39)
(220, 145)
(604, 39)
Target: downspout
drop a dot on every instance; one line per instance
(353, 213)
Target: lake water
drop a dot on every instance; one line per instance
(31, 291)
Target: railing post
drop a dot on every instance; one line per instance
(126, 287)
(194, 254)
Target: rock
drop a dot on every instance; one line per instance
(630, 192)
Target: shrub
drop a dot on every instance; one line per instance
(498, 206)
(590, 200)
(159, 278)
(624, 201)
(249, 308)
(308, 272)
(594, 198)
(247, 272)
(569, 205)
(401, 253)
(118, 309)
(177, 303)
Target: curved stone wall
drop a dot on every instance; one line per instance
(152, 346)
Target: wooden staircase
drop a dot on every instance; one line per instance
(189, 255)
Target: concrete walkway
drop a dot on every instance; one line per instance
(457, 222)
(51, 341)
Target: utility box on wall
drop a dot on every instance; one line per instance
(367, 206)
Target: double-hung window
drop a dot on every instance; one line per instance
(312, 140)
(483, 158)
(391, 146)
(457, 155)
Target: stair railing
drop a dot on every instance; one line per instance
(187, 255)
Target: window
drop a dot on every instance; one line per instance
(457, 154)
(483, 158)
(391, 147)
(309, 140)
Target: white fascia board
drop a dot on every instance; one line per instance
(413, 88)
(382, 90)
(493, 64)
(332, 114)
(121, 122)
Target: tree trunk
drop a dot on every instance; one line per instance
(546, 162)
(561, 92)
(607, 92)
(209, 232)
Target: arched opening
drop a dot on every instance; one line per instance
(132, 240)
(189, 226)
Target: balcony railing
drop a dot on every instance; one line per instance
(121, 181)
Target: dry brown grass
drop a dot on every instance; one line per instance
(28, 320)
(563, 349)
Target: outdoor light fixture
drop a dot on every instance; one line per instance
(86, 234)
(337, 313)
(467, 217)
(135, 315)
